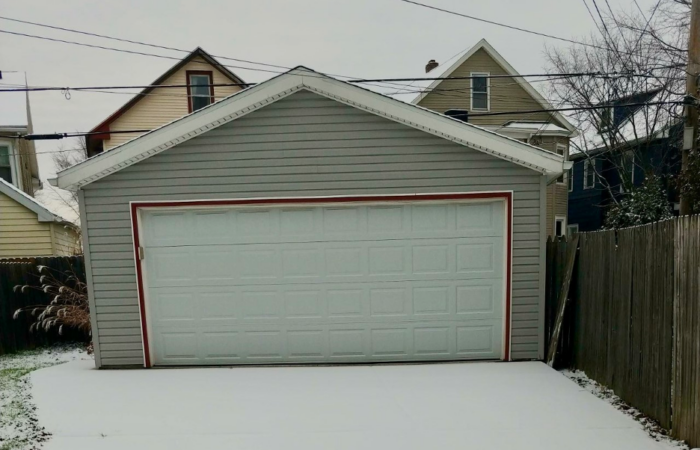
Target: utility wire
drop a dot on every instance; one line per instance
(503, 25)
(129, 41)
(512, 27)
(52, 136)
(354, 81)
(133, 52)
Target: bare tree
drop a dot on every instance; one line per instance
(64, 158)
(67, 157)
(639, 58)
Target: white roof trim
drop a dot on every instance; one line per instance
(43, 214)
(534, 93)
(256, 97)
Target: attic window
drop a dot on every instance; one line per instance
(200, 89)
(480, 91)
(5, 166)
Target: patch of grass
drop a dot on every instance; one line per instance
(19, 427)
(15, 373)
(12, 444)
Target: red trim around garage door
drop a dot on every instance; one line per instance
(507, 196)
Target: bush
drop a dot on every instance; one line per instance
(69, 306)
(645, 204)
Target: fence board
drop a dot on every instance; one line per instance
(622, 314)
(14, 333)
(686, 392)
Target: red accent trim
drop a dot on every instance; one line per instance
(139, 285)
(509, 274)
(507, 196)
(105, 133)
(207, 73)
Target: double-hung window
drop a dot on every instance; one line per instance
(589, 174)
(480, 91)
(560, 226)
(627, 170)
(5, 163)
(200, 89)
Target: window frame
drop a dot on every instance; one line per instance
(563, 153)
(188, 75)
(586, 164)
(631, 169)
(473, 75)
(571, 229)
(14, 162)
(564, 230)
(570, 179)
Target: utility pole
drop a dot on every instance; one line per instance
(690, 137)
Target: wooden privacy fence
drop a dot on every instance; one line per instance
(14, 333)
(634, 317)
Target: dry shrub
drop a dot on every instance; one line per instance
(68, 307)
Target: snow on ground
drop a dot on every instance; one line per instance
(524, 406)
(650, 426)
(19, 428)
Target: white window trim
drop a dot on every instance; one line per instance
(570, 179)
(586, 164)
(572, 228)
(564, 153)
(471, 91)
(563, 226)
(14, 162)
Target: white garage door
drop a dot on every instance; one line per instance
(325, 283)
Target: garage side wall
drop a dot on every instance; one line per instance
(303, 145)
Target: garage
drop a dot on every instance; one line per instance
(337, 281)
(306, 220)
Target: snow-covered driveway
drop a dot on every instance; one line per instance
(438, 406)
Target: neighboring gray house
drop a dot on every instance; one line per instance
(308, 220)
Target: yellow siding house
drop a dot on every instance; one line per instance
(27, 228)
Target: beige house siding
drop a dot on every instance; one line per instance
(557, 193)
(163, 105)
(505, 93)
(21, 233)
(66, 240)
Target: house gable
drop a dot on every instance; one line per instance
(154, 107)
(264, 94)
(506, 94)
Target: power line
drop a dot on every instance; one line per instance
(133, 52)
(55, 136)
(512, 27)
(580, 108)
(101, 47)
(354, 81)
(129, 41)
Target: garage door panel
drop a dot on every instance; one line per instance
(304, 224)
(322, 262)
(339, 343)
(341, 283)
(333, 303)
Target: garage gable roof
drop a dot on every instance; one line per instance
(302, 78)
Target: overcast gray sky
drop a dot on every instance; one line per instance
(363, 38)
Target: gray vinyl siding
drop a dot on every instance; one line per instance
(303, 145)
